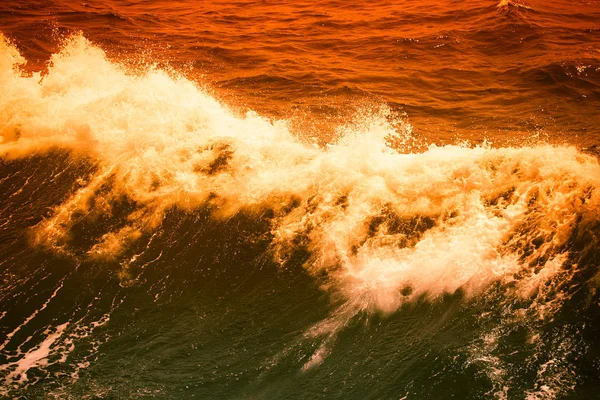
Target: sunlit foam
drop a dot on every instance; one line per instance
(382, 227)
(37, 357)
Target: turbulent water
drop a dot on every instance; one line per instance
(252, 200)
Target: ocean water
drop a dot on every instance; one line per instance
(310, 200)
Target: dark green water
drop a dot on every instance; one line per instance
(206, 313)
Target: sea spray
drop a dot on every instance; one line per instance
(381, 226)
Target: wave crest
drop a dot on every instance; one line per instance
(381, 227)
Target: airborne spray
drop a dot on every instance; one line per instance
(381, 228)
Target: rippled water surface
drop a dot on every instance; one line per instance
(466, 70)
(257, 200)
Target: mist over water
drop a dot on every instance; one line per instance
(162, 239)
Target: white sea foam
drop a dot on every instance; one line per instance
(382, 227)
(28, 319)
(55, 347)
(36, 357)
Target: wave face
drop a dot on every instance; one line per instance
(158, 244)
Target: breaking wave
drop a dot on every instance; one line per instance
(380, 226)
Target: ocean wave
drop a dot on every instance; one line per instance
(374, 224)
(383, 226)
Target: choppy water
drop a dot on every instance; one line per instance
(333, 200)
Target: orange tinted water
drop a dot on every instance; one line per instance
(507, 72)
(155, 244)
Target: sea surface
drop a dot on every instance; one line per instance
(300, 200)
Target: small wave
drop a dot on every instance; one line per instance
(506, 5)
